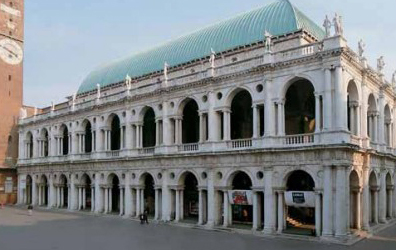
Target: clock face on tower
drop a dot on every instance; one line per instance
(10, 52)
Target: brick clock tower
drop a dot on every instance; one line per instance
(11, 92)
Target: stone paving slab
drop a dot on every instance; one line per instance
(48, 230)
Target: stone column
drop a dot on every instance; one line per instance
(327, 107)
(227, 124)
(340, 100)
(318, 113)
(157, 132)
(181, 204)
(156, 209)
(366, 200)
(318, 214)
(138, 211)
(375, 208)
(382, 198)
(256, 122)
(269, 115)
(128, 197)
(341, 208)
(200, 209)
(177, 206)
(390, 201)
(381, 119)
(93, 202)
(211, 200)
(121, 201)
(269, 207)
(281, 210)
(358, 209)
(84, 198)
(201, 127)
(213, 119)
(166, 198)
(327, 201)
(255, 211)
(106, 200)
(110, 200)
(225, 208)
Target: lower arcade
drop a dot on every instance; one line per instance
(273, 193)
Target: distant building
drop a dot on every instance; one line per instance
(11, 86)
(263, 120)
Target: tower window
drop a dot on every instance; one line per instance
(9, 77)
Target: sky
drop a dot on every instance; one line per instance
(65, 40)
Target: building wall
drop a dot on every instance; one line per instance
(11, 85)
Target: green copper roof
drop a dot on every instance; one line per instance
(278, 18)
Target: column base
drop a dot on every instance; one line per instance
(268, 230)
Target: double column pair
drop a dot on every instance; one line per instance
(59, 193)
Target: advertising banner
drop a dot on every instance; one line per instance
(240, 197)
(300, 199)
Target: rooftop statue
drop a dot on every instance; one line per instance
(166, 65)
(337, 23)
(362, 47)
(327, 26)
(394, 79)
(380, 65)
(128, 82)
(98, 91)
(212, 58)
(268, 41)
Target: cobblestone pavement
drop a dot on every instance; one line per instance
(47, 230)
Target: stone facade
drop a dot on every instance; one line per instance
(11, 85)
(95, 152)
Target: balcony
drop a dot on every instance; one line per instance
(263, 143)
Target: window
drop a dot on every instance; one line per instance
(8, 185)
(9, 77)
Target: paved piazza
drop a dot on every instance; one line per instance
(47, 230)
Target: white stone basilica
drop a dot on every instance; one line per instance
(264, 121)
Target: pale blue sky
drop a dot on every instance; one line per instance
(65, 40)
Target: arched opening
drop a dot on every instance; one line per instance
(29, 145)
(115, 194)
(190, 198)
(353, 108)
(355, 201)
(43, 191)
(87, 192)
(29, 190)
(64, 194)
(388, 128)
(241, 116)
(149, 194)
(65, 140)
(372, 118)
(149, 128)
(88, 137)
(115, 133)
(300, 208)
(190, 123)
(374, 189)
(389, 195)
(241, 205)
(300, 108)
